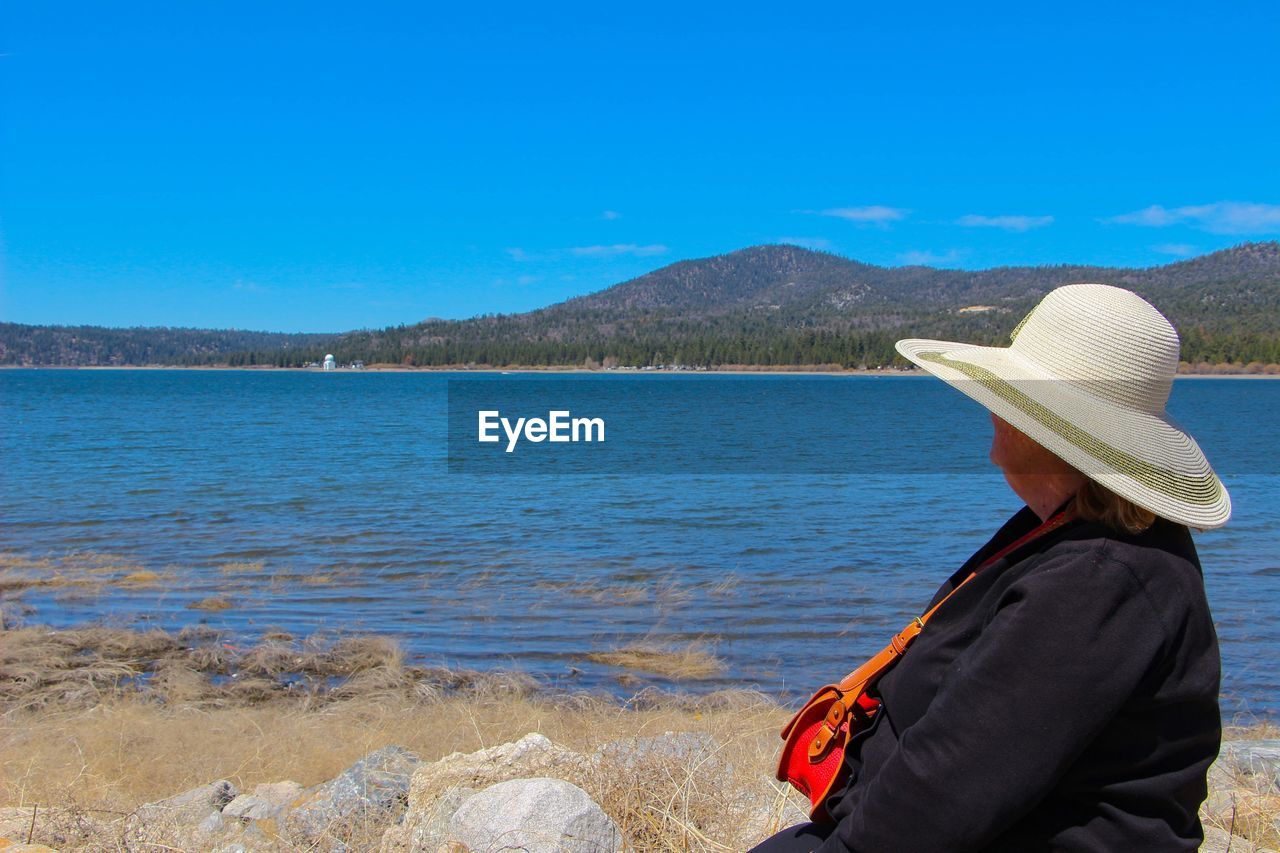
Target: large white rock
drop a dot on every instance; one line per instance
(532, 755)
(536, 816)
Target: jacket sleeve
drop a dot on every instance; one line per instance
(1064, 648)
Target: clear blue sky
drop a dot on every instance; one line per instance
(314, 167)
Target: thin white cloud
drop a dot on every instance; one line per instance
(820, 243)
(619, 249)
(1178, 250)
(518, 254)
(527, 279)
(1006, 223)
(924, 258)
(611, 215)
(1220, 217)
(872, 214)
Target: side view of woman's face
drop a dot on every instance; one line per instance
(1037, 476)
(1014, 453)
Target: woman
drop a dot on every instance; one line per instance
(1065, 697)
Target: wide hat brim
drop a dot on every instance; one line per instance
(1142, 457)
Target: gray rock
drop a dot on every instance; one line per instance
(1220, 841)
(1215, 841)
(189, 807)
(377, 782)
(536, 816)
(693, 749)
(1254, 758)
(211, 825)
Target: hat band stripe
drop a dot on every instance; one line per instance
(1204, 490)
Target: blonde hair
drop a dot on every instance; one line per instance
(1095, 502)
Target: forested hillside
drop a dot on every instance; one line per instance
(70, 346)
(783, 305)
(765, 305)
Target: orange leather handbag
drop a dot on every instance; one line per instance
(812, 759)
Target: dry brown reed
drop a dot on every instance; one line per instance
(83, 571)
(690, 661)
(242, 568)
(662, 593)
(212, 604)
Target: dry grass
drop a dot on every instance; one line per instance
(93, 767)
(98, 721)
(242, 568)
(212, 605)
(142, 578)
(84, 571)
(661, 593)
(87, 667)
(690, 661)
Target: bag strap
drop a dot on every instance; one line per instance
(856, 683)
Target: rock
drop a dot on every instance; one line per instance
(15, 821)
(266, 801)
(431, 828)
(780, 806)
(1219, 804)
(1254, 758)
(280, 792)
(1215, 840)
(379, 781)
(532, 755)
(1221, 799)
(249, 807)
(534, 815)
(211, 825)
(250, 838)
(695, 750)
(189, 807)
(8, 845)
(1220, 841)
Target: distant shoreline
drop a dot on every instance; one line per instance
(733, 371)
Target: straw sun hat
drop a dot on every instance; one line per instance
(1087, 377)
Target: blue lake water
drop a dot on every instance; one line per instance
(326, 503)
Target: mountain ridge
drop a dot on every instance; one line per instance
(775, 304)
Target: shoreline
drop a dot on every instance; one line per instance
(674, 772)
(561, 370)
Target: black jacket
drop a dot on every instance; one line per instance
(1064, 699)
